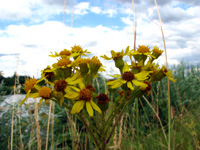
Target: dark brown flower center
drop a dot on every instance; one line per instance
(86, 95)
(165, 70)
(48, 75)
(103, 98)
(128, 76)
(60, 85)
(91, 87)
(149, 87)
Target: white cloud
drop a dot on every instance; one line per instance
(110, 12)
(96, 9)
(34, 42)
(82, 8)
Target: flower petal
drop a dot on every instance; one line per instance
(77, 107)
(118, 84)
(72, 95)
(113, 54)
(75, 88)
(81, 85)
(142, 75)
(26, 97)
(95, 106)
(34, 95)
(127, 50)
(89, 109)
(40, 102)
(129, 84)
(37, 87)
(72, 78)
(141, 84)
(113, 82)
(115, 75)
(126, 68)
(105, 57)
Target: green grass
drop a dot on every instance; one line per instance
(66, 131)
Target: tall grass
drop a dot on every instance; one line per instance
(68, 133)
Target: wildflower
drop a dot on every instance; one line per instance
(156, 52)
(48, 73)
(84, 97)
(136, 67)
(129, 79)
(103, 98)
(43, 92)
(64, 53)
(118, 58)
(95, 64)
(77, 51)
(148, 88)
(161, 73)
(63, 63)
(67, 85)
(141, 53)
(63, 67)
(91, 87)
(29, 84)
(83, 63)
(30, 87)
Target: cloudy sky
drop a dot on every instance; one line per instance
(31, 29)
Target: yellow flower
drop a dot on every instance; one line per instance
(156, 52)
(67, 85)
(29, 84)
(77, 51)
(117, 55)
(63, 63)
(83, 63)
(84, 97)
(29, 87)
(48, 73)
(64, 53)
(129, 79)
(136, 67)
(168, 74)
(141, 53)
(118, 58)
(161, 73)
(43, 92)
(95, 64)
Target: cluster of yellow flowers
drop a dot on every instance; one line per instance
(70, 78)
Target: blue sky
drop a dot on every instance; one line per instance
(31, 29)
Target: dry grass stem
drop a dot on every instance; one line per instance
(49, 117)
(20, 132)
(157, 117)
(134, 25)
(168, 85)
(120, 132)
(37, 126)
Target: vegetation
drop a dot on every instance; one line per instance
(66, 132)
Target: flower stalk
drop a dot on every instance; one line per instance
(69, 83)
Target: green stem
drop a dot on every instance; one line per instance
(137, 124)
(169, 117)
(83, 121)
(112, 116)
(118, 119)
(88, 128)
(114, 112)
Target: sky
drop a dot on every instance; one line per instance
(31, 29)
